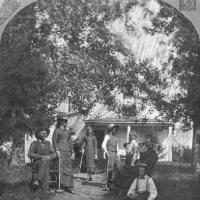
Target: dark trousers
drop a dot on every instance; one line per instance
(113, 161)
(141, 196)
(113, 165)
(43, 167)
(109, 178)
(124, 177)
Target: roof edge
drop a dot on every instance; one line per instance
(128, 122)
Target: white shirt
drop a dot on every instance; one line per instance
(132, 148)
(143, 186)
(104, 143)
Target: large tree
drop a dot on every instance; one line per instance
(29, 85)
(94, 45)
(90, 49)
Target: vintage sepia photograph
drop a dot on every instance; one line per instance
(99, 99)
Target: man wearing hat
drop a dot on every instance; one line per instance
(143, 187)
(42, 153)
(148, 155)
(110, 147)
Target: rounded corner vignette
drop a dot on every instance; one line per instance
(7, 8)
(187, 5)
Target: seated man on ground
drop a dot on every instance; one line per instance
(42, 153)
(143, 187)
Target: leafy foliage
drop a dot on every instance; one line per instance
(71, 48)
(95, 62)
(28, 88)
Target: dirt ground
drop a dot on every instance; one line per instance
(87, 193)
(173, 182)
(86, 190)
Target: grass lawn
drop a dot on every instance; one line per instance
(14, 182)
(173, 182)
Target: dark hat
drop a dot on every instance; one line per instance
(41, 129)
(111, 127)
(60, 121)
(142, 165)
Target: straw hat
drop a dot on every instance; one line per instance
(111, 127)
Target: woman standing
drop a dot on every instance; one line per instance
(62, 144)
(89, 147)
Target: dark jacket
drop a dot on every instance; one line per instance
(37, 151)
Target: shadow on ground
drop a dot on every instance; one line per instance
(173, 181)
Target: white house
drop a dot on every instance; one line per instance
(167, 135)
(160, 130)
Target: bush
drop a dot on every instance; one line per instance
(187, 155)
(184, 155)
(3, 155)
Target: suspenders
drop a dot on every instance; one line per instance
(138, 186)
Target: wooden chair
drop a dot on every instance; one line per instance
(53, 174)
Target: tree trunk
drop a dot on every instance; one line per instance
(196, 131)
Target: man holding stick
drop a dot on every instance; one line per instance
(110, 147)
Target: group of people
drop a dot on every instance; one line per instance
(44, 154)
(133, 179)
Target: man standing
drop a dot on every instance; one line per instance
(110, 147)
(148, 155)
(132, 152)
(143, 187)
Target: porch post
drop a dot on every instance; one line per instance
(170, 143)
(128, 132)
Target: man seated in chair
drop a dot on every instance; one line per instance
(42, 153)
(143, 187)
